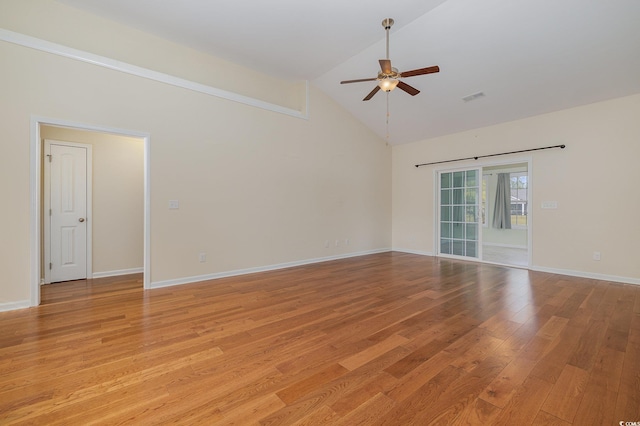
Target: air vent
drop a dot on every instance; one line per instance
(473, 97)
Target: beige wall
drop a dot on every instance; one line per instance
(118, 197)
(58, 23)
(594, 180)
(256, 188)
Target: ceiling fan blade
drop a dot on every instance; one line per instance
(373, 92)
(385, 66)
(409, 89)
(357, 81)
(421, 71)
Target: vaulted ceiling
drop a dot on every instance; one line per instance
(527, 57)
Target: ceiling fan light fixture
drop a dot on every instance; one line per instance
(389, 77)
(388, 84)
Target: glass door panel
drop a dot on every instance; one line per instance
(459, 207)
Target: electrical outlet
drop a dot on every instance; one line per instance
(202, 257)
(337, 243)
(596, 255)
(174, 204)
(346, 241)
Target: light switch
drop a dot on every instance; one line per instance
(174, 204)
(549, 204)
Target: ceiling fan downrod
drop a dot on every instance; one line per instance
(387, 24)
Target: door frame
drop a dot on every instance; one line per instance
(35, 195)
(47, 205)
(480, 164)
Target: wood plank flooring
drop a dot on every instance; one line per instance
(385, 339)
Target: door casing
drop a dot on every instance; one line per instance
(35, 197)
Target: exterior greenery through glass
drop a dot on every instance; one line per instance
(519, 202)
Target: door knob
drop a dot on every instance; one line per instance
(81, 219)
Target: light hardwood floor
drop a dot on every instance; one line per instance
(388, 339)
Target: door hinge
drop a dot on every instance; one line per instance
(50, 212)
(50, 157)
(50, 265)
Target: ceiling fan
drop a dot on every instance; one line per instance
(389, 77)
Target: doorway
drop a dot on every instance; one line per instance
(507, 243)
(101, 268)
(466, 205)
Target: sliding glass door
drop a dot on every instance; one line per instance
(459, 211)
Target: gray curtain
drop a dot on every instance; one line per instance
(502, 207)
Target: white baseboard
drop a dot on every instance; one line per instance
(226, 274)
(591, 275)
(505, 245)
(117, 272)
(568, 272)
(411, 251)
(12, 306)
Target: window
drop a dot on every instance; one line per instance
(519, 201)
(459, 206)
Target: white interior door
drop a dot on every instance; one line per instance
(67, 216)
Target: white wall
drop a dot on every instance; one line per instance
(118, 197)
(594, 180)
(256, 188)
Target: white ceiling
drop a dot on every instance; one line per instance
(528, 56)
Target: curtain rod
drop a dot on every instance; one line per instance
(492, 155)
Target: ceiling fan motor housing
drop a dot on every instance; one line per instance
(393, 74)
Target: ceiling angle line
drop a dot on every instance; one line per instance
(563, 146)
